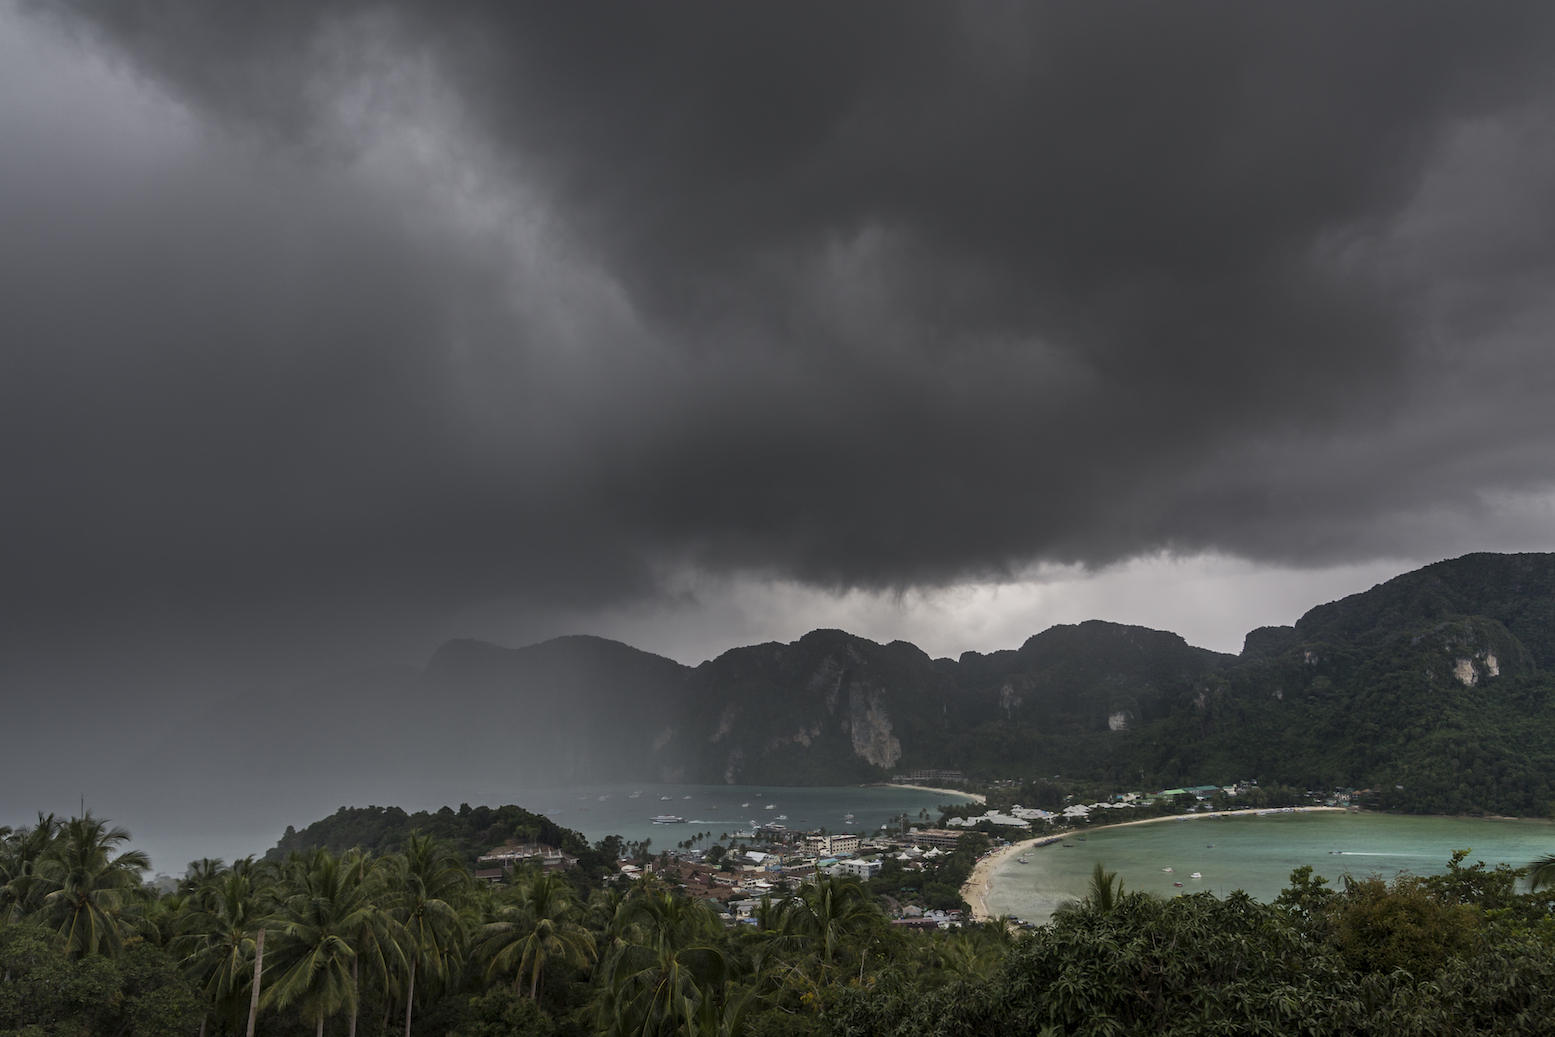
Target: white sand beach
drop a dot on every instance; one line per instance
(980, 885)
(964, 797)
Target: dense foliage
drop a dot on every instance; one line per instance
(1457, 954)
(405, 941)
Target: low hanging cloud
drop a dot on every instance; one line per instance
(386, 310)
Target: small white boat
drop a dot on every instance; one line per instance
(685, 797)
(665, 799)
(1023, 860)
(744, 804)
(1167, 870)
(782, 817)
(847, 817)
(770, 806)
(603, 798)
(667, 819)
(1195, 875)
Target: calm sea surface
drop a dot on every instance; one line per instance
(221, 821)
(601, 810)
(1257, 854)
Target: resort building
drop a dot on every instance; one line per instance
(934, 837)
(865, 870)
(832, 845)
(506, 858)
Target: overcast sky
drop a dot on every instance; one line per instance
(331, 330)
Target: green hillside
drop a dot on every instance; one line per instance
(1437, 681)
(1434, 689)
(468, 831)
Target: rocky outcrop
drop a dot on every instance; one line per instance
(870, 725)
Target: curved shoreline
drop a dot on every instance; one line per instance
(980, 884)
(974, 797)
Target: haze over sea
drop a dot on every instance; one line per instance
(594, 810)
(1257, 854)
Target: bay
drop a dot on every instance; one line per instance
(601, 810)
(218, 820)
(1257, 854)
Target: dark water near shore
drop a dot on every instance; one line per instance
(1257, 854)
(601, 810)
(220, 821)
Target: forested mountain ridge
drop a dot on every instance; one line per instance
(1434, 688)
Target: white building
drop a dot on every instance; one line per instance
(858, 869)
(832, 845)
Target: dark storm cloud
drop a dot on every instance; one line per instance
(862, 294)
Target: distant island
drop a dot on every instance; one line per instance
(1433, 693)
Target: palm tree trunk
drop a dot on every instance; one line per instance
(410, 996)
(321, 1024)
(355, 993)
(259, 964)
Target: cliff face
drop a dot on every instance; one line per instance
(829, 708)
(1437, 681)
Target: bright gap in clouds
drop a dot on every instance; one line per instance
(1211, 600)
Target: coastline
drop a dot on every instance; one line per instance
(980, 884)
(972, 797)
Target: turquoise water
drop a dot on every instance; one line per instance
(601, 810)
(1257, 854)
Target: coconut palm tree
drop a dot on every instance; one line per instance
(1105, 890)
(86, 884)
(20, 852)
(608, 916)
(828, 911)
(1541, 873)
(379, 939)
(428, 887)
(325, 917)
(533, 927)
(667, 976)
(215, 938)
